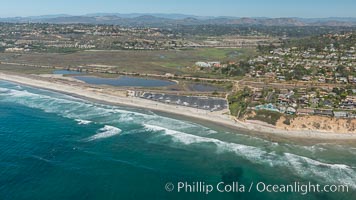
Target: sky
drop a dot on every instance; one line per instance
(237, 8)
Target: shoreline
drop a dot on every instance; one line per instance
(118, 97)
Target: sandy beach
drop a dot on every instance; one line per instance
(117, 96)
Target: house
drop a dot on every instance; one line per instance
(281, 78)
(202, 64)
(15, 49)
(208, 64)
(328, 103)
(343, 79)
(340, 114)
(215, 64)
(291, 111)
(282, 109)
(303, 100)
(328, 113)
(283, 100)
(269, 107)
(314, 101)
(306, 78)
(322, 80)
(305, 111)
(349, 103)
(257, 96)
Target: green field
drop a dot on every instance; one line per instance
(222, 54)
(159, 62)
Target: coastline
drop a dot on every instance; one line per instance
(118, 97)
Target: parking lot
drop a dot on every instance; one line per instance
(205, 103)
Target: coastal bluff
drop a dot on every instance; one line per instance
(318, 123)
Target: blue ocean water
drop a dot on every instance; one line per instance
(54, 146)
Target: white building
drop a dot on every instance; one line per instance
(202, 64)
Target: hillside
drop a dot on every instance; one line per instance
(171, 20)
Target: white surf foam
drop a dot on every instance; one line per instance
(66, 107)
(180, 136)
(74, 109)
(330, 173)
(83, 122)
(4, 90)
(299, 165)
(105, 132)
(249, 152)
(294, 157)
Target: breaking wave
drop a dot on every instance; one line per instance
(299, 165)
(84, 111)
(83, 122)
(258, 151)
(106, 132)
(4, 90)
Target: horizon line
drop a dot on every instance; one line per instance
(159, 13)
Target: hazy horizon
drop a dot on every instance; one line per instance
(157, 13)
(232, 8)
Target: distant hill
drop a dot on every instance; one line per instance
(169, 20)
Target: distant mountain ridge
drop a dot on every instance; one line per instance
(167, 20)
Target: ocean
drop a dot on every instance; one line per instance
(55, 146)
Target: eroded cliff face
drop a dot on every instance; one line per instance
(318, 123)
